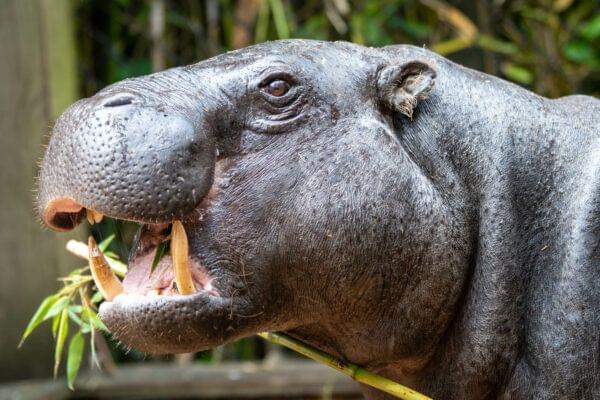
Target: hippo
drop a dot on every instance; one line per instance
(434, 224)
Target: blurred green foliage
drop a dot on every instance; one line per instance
(551, 47)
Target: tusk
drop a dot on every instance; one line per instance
(179, 253)
(93, 217)
(107, 282)
(81, 249)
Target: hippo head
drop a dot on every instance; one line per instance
(304, 211)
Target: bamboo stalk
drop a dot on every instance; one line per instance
(354, 371)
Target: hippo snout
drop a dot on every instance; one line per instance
(129, 153)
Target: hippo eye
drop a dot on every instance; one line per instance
(277, 88)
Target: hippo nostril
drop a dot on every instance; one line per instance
(63, 214)
(119, 101)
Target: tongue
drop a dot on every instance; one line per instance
(176, 267)
(139, 279)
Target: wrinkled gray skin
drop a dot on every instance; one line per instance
(457, 252)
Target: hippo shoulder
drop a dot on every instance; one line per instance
(581, 104)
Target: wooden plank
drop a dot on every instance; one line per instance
(230, 380)
(35, 390)
(30, 259)
(289, 379)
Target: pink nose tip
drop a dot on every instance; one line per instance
(63, 214)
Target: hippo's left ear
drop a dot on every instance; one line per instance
(401, 87)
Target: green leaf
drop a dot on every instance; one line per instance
(488, 42)
(591, 29)
(578, 51)
(38, 316)
(55, 323)
(103, 245)
(517, 73)
(78, 271)
(90, 316)
(451, 45)
(97, 298)
(111, 254)
(161, 249)
(60, 305)
(117, 266)
(417, 29)
(86, 328)
(63, 331)
(74, 358)
(75, 318)
(262, 24)
(93, 347)
(281, 24)
(76, 308)
(97, 322)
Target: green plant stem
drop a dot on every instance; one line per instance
(281, 24)
(354, 371)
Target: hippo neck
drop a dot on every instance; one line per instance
(466, 134)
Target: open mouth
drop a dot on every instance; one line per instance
(159, 264)
(173, 297)
(167, 302)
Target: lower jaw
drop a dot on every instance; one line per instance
(148, 310)
(169, 324)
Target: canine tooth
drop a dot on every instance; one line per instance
(98, 217)
(89, 217)
(93, 217)
(179, 253)
(107, 282)
(81, 249)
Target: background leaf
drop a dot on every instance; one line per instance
(39, 316)
(96, 298)
(55, 323)
(74, 358)
(103, 245)
(591, 29)
(93, 320)
(63, 331)
(57, 307)
(517, 73)
(280, 19)
(161, 250)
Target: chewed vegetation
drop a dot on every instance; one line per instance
(76, 301)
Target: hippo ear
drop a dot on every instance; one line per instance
(400, 87)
